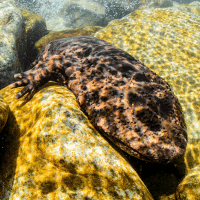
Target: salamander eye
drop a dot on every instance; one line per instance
(69, 71)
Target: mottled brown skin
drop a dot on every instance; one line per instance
(123, 98)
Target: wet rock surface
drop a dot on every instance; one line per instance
(52, 151)
(12, 42)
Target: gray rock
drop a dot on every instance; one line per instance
(116, 9)
(160, 4)
(76, 13)
(185, 1)
(12, 42)
(82, 13)
(57, 24)
(95, 12)
(48, 9)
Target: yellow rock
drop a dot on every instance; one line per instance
(189, 188)
(167, 41)
(32, 20)
(35, 28)
(4, 111)
(193, 7)
(55, 153)
(55, 35)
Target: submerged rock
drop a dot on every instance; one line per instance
(35, 28)
(4, 111)
(189, 188)
(56, 153)
(12, 42)
(54, 35)
(82, 13)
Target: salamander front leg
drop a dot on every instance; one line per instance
(28, 80)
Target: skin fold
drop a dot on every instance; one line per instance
(124, 99)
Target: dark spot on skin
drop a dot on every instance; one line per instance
(140, 78)
(84, 87)
(112, 125)
(104, 98)
(104, 53)
(149, 88)
(121, 109)
(165, 140)
(124, 75)
(93, 74)
(137, 128)
(84, 53)
(122, 118)
(87, 52)
(113, 72)
(112, 92)
(87, 97)
(101, 67)
(98, 112)
(67, 64)
(126, 68)
(119, 83)
(147, 117)
(95, 96)
(133, 98)
(153, 106)
(165, 107)
(98, 50)
(82, 70)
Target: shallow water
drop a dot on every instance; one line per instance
(173, 54)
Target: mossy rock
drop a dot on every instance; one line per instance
(55, 35)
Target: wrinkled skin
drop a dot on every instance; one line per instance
(124, 99)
